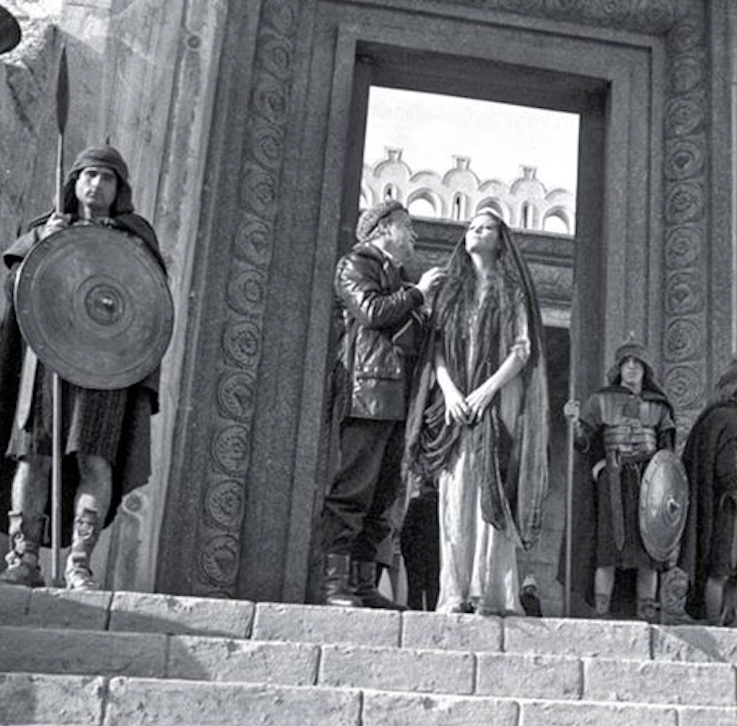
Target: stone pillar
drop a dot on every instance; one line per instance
(143, 74)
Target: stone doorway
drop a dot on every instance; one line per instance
(287, 110)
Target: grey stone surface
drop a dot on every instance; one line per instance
(142, 702)
(707, 717)
(604, 639)
(319, 624)
(79, 652)
(30, 699)
(144, 612)
(397, 669)
(451, 632)
(697, 684)
(551, 713)
(403, 709)
(219, 659)
(529, 676)
(695, 643)
(13, 604)
(54, 608)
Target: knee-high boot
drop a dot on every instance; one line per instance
(25, 541)
(77, 573)
(336, 589)
(364, 578)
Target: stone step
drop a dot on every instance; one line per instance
(46, 700)
(176, 615)
(343, 665)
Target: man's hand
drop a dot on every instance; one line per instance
(429, 280)
(478, 401)
(55, 223)
(572, 410)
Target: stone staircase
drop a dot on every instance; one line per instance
(132, 659)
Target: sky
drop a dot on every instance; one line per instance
(499, 138)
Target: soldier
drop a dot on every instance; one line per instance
(709, 551)
(105, 434)
(619, 429)
(381, 323)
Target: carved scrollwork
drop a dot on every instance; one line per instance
(683, 246)
(225, 504)
(219, 559)
(684, 158)
(242, 343)
(246, 290)
(230, 450)
(252, 240)
(684, 386)
(236, 394)
(684, 202)
(684, 115)
(683, 340)
(684, 293)
(687, 73)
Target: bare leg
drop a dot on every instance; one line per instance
(91, 505)
(647, 587)
(31, 486)
(603, 587)
(647, 584)
(714, 598)
(95, 485)
(29, 495)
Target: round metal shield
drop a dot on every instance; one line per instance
(9, 30)
(94, 305)
(663, 504)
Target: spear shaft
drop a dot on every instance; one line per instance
(62, 113)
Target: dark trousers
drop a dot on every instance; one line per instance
(356, 511)
(421, 551)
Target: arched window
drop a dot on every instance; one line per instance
(555, 223)
(422, 207)
(458, 211)
(525, 216)
(390, 192)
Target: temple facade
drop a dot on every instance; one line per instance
(243, 124)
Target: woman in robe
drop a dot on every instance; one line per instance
(478, 421)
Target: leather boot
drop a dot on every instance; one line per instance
(364, 580)
(25, 541)
(336, 589)
(673, 596)
(647, 610)
(77, 572)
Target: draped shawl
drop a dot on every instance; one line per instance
(513, 477)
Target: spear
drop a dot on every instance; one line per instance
(62, 112)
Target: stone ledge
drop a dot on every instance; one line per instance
(145, 612)
(404, 709)
(695, 643)
(31, 699)
(139, 702)
(562, 713)
(695, 684)
(75, 609)
(82, 652)
(582, 638)
(451, 632)
(321, 624)
(529, 676)
(395, 669)
(707, 717)
(217, 659)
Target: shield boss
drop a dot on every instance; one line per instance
(663, 505)
(94, 306)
